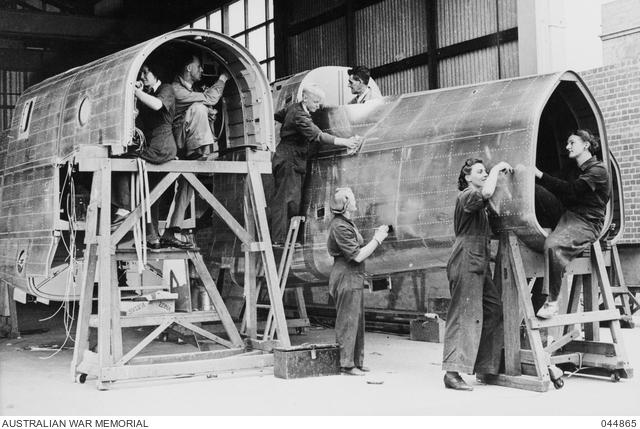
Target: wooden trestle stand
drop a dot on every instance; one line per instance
(577, 344)
(109, 362)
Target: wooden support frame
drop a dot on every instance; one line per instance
(570, 348)
(109, 362)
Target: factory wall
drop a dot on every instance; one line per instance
(617, 90)
(410, 45)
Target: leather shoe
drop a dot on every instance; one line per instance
(455, 382)
(548, 310)
(351, 371)
(363, 368)
(174, 242)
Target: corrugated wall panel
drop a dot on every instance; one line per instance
(509, 63)
(319, 46)
(473, 67)
(460, 20)
(412, 80)
(301, 10)
(382, 33)
(507, 14)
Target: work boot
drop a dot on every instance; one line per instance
(548, 310)
(452, 380)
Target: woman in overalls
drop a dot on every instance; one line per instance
(346, 281)
(473, 338)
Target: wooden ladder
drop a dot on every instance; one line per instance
(302, 321)
(109, 362)
(579, 346)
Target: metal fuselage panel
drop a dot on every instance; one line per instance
(88, 112)
(406, 173)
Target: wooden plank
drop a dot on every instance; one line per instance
(594, 347)
(575, 358)
(169, 253)
(116, 330)
(198, 330)
(195, 367)
(135, 215)
(259, 204)
(524, 382)
(264, 345)
(574, 300)
(621, 290)
(250, 318)
(178, 166)
(156, 319)
(105, 356)
(571, 319)
(216, 299)
(562, 341)
(541, 359)
(185, 357)
(590, 304)
(87, 278)
(13, 314)
(511, 308)
(220, 210)
(145, 342)
(607, 297)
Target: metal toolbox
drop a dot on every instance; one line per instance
(307, 360)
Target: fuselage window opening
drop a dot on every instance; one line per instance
(25, 119)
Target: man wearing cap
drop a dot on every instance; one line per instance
(290, 160)
(359, 85)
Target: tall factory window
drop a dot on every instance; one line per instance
(12, 83)
(250, 22)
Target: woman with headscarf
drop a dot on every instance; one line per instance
(346, 282)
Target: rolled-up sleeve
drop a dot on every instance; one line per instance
(166, 96)
(310, 131)
(210, 97)
(347, 241)
(595, 176)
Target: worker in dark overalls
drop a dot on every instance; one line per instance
(346, 281)
(473, 337)
(585, 202)
(290, 160)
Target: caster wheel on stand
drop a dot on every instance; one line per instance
(555, 374)
(81, 378)
(615, 376)
(558, 383)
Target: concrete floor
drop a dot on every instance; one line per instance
(409, 373)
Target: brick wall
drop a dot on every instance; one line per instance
(617, 91)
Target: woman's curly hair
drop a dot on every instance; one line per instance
(592, 139)
(466, 170)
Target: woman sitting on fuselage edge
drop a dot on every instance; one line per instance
(585, 204)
